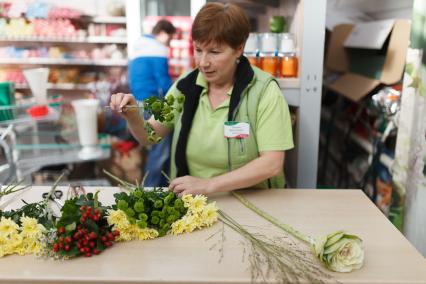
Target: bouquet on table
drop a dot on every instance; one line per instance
(86, 227)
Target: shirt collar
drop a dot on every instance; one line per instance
(201, 81)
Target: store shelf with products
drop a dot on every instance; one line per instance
(307, 25)
(349, 160)
(366, 145)
(59, 86)
(90, 39)
(62, 61)
(109, 20)
(64, 39)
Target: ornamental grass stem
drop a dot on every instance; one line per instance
(272, 219)
(9, 189)
(120, 181)
(55, 185)
(287, 264)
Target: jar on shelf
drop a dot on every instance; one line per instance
(289, 63)
(268, 53)
(251, 49)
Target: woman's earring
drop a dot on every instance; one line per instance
(237, 61)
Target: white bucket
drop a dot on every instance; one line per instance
(85, 112)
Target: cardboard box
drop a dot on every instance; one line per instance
(367, 55)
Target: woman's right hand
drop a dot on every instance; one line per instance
(119, 101)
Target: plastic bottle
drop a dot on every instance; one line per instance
(251, 49)
(268, 53)
(289, 63)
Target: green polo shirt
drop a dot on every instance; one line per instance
(207, 148)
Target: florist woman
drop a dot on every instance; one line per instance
(235, 124)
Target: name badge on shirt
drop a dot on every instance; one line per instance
(235, 129)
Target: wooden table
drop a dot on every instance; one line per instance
(390, 258)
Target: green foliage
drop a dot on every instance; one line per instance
(155, 209)
(163, 110)
(38, 210)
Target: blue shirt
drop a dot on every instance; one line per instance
(148, 68)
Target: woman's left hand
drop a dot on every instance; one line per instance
(190, 185)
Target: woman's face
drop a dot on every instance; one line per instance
(217, 62)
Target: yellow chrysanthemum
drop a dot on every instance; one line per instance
(30, 245)
(8, 227)
(178, 227)
(14, 243)
(190, 223)
(209, 214)
(117, 217)
(21, 240)
(187, 200)
(128, 232)
(31, 228)
(198, 203)
(36, 248)
(147, 234)
(199, 215)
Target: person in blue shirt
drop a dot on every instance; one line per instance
(149, 76)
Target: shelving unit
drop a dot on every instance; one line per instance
(109, 20)
(362, 142)
(95, 47)
(62, 61)
(90, 39)
(59, 86)
(305, 91)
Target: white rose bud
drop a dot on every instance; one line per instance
(339, 252)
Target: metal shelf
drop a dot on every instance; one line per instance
(106, 39)
(62, 61)
(22, 118)
(59, 86)
(83, 40)
(290, 88)
(288, 83)
(109, 20)
(365, 144)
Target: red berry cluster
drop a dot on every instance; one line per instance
(88, 213)
(63, 243)
(87, 242)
